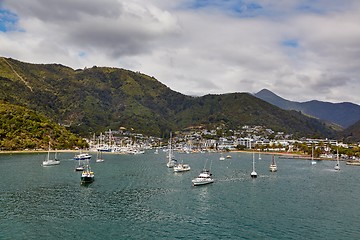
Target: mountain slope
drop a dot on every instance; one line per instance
(343, 114)
(352, 133)
(99, 98)
(24, 129)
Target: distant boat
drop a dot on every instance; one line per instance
(170, 156)
(228, 156)
(353, 162)
(337, 165)
(82, 156)
(50, 162)
(99, 157)
(156, 151)
(259, 156)
(80, 167)
(205, 177)
(87, 176)
(222, 158)
(313, 162)
(273, 166)
(253, 174)
(181, 167)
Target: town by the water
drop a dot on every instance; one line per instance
(248, 138)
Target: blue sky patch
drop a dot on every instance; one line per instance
(8, 20)
(292, 43)
(239, 7)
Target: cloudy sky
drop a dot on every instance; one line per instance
(299, 49)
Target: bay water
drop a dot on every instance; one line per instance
(138, 197)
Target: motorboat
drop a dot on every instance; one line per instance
(205, 177)
(181, 167)
(87, 176)
(82, 156)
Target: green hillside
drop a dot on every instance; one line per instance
(21, 128)
(98, 98)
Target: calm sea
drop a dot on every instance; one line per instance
(138, 197)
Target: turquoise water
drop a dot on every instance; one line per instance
(138, 197)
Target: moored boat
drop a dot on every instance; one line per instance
(170, 156)
(253, 174)
(87, 176)
(50, 162)
(273, 166)
(82, 156)
(99, 157)
(181, 167)
(353, 162)
(337, 165)
(205, 177)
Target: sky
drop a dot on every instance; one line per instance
(299, 49)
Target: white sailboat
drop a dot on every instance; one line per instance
(222, 158)
(273, 166)
(253, 174)
(171, 159)
(48, 161)
(99, 157)
(337, 165)
(313, 162)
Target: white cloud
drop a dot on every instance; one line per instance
(301, 49)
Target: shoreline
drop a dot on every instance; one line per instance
(283, 155)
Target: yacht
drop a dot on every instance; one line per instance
(205, 177)
(82, 156)
(87, 176)
(181, 167)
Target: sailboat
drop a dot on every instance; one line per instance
(50, 162)
(253, 174)
(312, 157)
(273, 166)
(259, 156)
(222, 158)
(337, 165)
(171, 159)
(99, 157)
(81, 157)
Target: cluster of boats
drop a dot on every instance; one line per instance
(83, 164)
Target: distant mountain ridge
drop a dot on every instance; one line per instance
(95, 99)
(344, 114)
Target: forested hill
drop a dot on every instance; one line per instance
(98, 98)
(21, 129)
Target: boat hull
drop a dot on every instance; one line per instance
(202, 182)
(50, 163)
(273, 168)
(87, 179)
